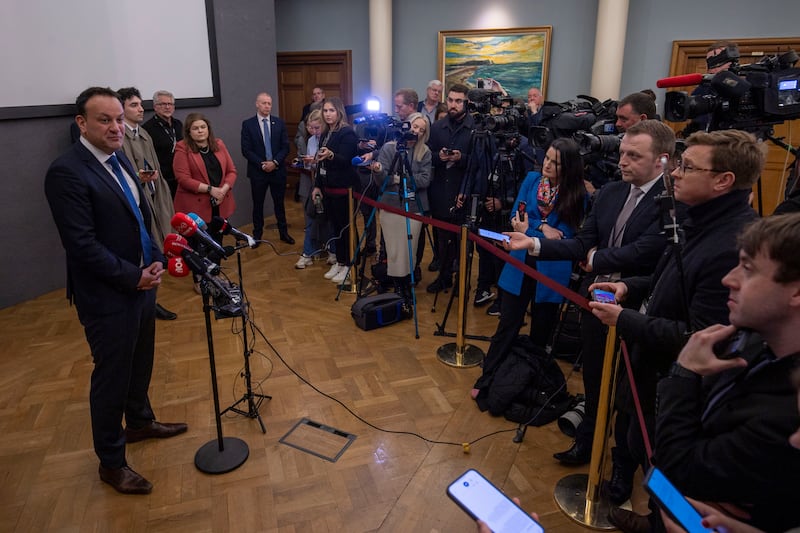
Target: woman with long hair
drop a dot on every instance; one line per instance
(554, 206)
(335, 172)
(204, 171)
(414, 197)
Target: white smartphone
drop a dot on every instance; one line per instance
(483, 501)
(493, 235)
(673, 502)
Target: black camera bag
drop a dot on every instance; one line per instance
(378, 310)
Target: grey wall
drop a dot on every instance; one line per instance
(34, 258)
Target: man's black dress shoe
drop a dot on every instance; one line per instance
(628, 521)
(155, 430)
(620, 486)
(285, 237)
(125, 480)
(578, 454)
(164, 314)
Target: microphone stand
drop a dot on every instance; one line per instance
(253, 400)
(222, 454)
(673, 234)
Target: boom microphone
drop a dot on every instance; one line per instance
(680, 81)
(186, 226)
(222, 225)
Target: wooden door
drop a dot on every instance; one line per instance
(300, 72)
(690, 57)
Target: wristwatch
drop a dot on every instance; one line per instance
(676, 370)
(208, 189)
(542, 223)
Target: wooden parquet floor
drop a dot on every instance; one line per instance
(384, 482)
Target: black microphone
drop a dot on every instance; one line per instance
(221, 224)
(186, 226)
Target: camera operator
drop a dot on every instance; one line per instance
(602, 161)
(449, 144)
(713, 179)
(716, 61)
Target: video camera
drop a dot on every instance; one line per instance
(748, 97)
(508, 116)
(382, 128)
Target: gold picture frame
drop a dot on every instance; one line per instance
(518, 58)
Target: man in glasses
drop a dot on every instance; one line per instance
(714, 179)
(165, 130)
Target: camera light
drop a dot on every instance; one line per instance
(373, 104)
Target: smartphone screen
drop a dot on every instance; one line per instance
(483, 501)
(493, 235)
(604, 297)
(673, 502)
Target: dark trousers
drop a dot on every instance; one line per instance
(122, 346)
(512, 316)
(337, 209)
(593, 343)
(277, 189)
(489, 268)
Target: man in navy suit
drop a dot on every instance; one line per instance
(611, 247)
(265, 145)
(113, 269)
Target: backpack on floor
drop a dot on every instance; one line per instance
(378, 310)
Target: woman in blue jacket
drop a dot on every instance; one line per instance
(554, 205)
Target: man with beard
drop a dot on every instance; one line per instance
(449, 144)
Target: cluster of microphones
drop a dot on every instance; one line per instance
(184, 259)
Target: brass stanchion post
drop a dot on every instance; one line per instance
(460, 354)
(578, 495)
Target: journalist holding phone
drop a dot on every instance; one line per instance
(554, 204)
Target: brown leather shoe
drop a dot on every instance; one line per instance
(125, 480)
(155, 430)
(628, 521)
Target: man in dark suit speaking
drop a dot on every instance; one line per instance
(113, 269)
(265, 145)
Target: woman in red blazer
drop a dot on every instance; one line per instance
(204, 171)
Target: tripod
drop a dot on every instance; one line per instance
(400, 174)
(498, 167)
(253, 400)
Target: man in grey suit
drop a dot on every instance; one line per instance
(113, 267)
(265, 145)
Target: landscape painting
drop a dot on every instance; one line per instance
(516, 58)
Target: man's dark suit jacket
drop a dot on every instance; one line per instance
(98, 229)
(737, 452)
(642, 242)
(253, 147)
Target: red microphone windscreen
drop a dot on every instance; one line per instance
(177, 267)
(176, 247)
(184, 224)
(680, 81)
